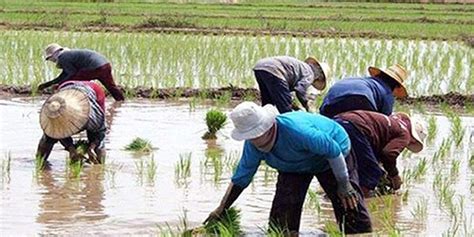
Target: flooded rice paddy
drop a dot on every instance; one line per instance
(122, 198)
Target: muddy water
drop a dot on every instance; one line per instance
(115, 199)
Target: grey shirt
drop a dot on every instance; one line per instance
(71, 61)
(297, 73)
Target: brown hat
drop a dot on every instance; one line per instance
(397, 73)
(319, 84)
(65, 113)
(417, 130)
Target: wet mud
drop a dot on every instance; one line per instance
(234, 93)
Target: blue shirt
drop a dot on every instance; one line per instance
(376, 91)
(304, 143)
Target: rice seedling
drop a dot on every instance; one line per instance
(140, 170)
(73, 168)
(313, 202)
(82, 146)
(420, 211)
(215, 120)
(5, 169)
(332, 229)
(227, 225)
(471, 161)
(214, 160)
(274, 230)
(190, 62)
(457, 130)
(454, 171)
(443, 150)
(432, 128)
(40, 163)
(420, 169)
(140, 145)
(183, 167)
(151, 167)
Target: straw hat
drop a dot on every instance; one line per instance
(418, 131)
(397, 73)
(51, 49)
(65, 113)
(251, 120)
(320, 84)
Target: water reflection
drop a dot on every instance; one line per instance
(68, 201)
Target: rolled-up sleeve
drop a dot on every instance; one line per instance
(248, 165)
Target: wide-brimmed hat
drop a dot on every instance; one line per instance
(319, 84)
(397, 73)
(65, 113)
(251, 120)
(417, 130)
(51, 49)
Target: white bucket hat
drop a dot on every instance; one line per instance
(418, 131)
(251, 120)
(51, 49)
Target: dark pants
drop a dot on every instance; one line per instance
(104, 75)
(274, 90)
(290, 194)
(368, 167)
(46, 143)
(353, 102)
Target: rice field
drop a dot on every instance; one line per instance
(201, 61)
(172, 189)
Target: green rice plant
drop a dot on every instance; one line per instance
(73, 168)
(443, 150)
(140, 170)
(420, 211)
(227, 225)
(40, 163)
(420, 169)
(215, 120)
(183, 167)
(432, 128)
(313, 202)
(457, 130)
(151, 167)
(82, 146)
(140, 145)
(454, 171)
(332, 229)
(274, 230)
(214, 160)
(6, 166)
(471, 161)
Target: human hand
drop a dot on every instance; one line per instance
(213, 216)
(396, 182)
(347, 195)
(92, 155)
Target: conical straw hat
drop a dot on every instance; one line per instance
(397, 73)
(65, 113)
(320, 84)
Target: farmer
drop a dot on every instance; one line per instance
(374, 93)
(81, 65)
(300, 146)
(377, 138)
(78, 106)
(278, 76)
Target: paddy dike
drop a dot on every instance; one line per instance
(234, 93)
